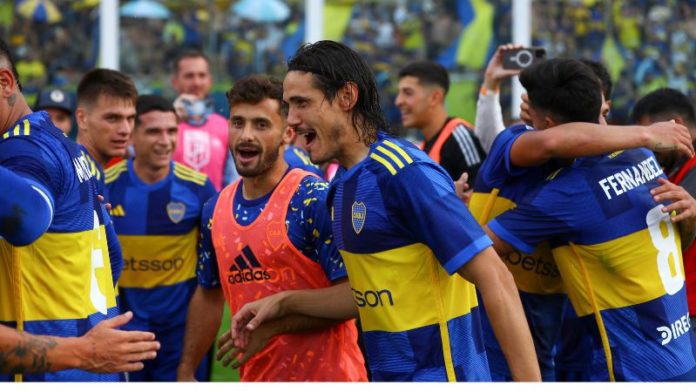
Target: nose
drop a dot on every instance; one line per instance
(293, 119)
(399, 100)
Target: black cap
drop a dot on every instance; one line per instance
(54, 98)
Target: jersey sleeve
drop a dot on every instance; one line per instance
(23, 157)
(321, 245)
(422, 197)
(26, 212)
(115, 253)
(544, 214)
(207, 269)
(500, 166)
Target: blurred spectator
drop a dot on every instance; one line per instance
(59, 105)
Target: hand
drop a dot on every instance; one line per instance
(461, 188)
(179, 105)
(253, 314)
(495, 73)
(670, 136)
(109, 350)
(681, 200)
(525, 111)
(228, 353)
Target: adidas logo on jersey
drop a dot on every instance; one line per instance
(248, 269)
(679, 327)
(118, 211)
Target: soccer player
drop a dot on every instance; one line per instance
(55, 277)
(662, 105)
(59, 105)
(412, 250)
(156, 210)
(267, 233)
(503, 181)
(615, 245)
(202, 140)
(449, 141)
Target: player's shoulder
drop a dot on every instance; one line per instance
(389, 155)
(113, 173)
(188, 176)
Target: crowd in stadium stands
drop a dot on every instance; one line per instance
(645, 44)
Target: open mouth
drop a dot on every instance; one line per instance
(246, 154)
(310, 135)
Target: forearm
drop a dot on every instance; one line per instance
(574, 140)
(335, 302)
(26, 211)
(202, 323)
(21, 352)
(504, 310)
(489, 118)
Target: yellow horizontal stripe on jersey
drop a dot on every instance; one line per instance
(534, 273)
(384, 163)
(399, 289)
(399, 150)
(158, 260)
(391, 155)
(57, 274)
(620, 274)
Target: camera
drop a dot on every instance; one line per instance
(522, 58)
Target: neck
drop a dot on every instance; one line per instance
(352, 152)
(258, 186)
(149, 174)
(100, 159)
(434, 124)
(16, 111)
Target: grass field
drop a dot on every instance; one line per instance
(219, 372)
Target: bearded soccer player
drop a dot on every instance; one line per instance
(55, 275)
(156, 210)
(619, 255)
(412, 250)
(266, 233)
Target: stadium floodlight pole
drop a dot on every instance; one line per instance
(522, 35)
(314, 20)
(108, 34)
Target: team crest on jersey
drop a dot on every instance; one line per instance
(275, 234)
(176, 211)
(358, 213)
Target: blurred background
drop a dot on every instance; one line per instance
(646, 44)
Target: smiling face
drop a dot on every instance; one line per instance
(414, 101)
(322, 124)
(107, 125)
(256, 133)
(154, 139)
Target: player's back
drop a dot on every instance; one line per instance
(419, 321)
(61, 284)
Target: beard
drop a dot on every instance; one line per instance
(266, 160)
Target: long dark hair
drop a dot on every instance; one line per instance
(333, 65)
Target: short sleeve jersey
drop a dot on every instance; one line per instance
(157, 225)
(61, 284)
(404, 234)
(619, 256)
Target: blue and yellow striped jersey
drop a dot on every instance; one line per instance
(157, 225)
(61, 284)
(298, 158)
(499, 186)
(95, 168)
(620, 258)
(403, 235)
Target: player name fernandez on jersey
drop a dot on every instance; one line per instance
(630, 178)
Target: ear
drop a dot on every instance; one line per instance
(7, 82)
(437, 97)
(289, 135)
(348, 96)
(81, 118)
(679, 120)
(550, 122)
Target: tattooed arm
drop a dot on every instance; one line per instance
(104, 349)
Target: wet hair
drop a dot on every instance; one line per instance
(565, 88)
(427, 73)
(188, 54)
(254, 89)
(664, 104)
(107, 82)
(6, 54)
(604, 78)
(150, 103)
(332, 65)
